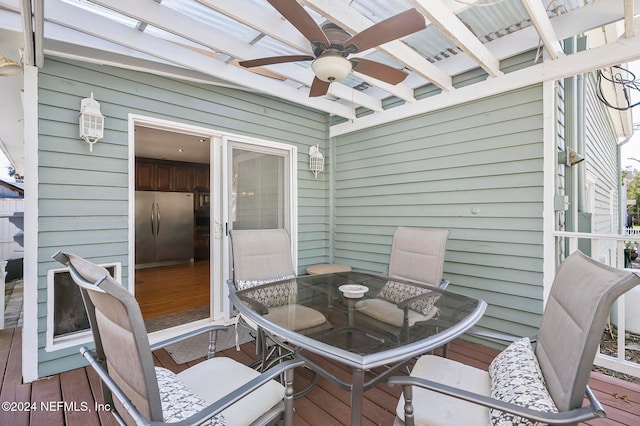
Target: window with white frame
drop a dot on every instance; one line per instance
(67, 322)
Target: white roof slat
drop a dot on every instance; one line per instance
(60, 13)
(103, 12)
(353, 22)
(264, 20)
(449, 24)
(541, 21)
(624, 50)
(197, 34)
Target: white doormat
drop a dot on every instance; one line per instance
(198, 346)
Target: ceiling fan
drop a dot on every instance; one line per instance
(332, 45)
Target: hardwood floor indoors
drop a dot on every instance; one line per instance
(170, 289)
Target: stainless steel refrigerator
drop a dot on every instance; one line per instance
(164, 226)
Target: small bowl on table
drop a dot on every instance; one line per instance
(353, 291)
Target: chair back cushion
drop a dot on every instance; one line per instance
(574, 319)
(120, 336)
(417, 254)
(516, 378)
(396, 292)
(261, 255)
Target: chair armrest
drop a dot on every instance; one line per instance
(479, 332)
(444, 284)
(572, 416)
(185, 336)
(255, 305)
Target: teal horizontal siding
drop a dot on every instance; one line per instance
(475, 169)
(83, 196)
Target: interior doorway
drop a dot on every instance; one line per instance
(171, 214)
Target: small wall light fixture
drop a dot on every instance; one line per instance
(316, 160)
(91, 121)
(8, 67)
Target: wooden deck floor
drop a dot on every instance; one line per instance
(68, 398)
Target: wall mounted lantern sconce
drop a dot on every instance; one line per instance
(316, 160)
(8, 67)
(569, 157)
(91, 121)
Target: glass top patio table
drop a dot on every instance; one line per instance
(426, 318)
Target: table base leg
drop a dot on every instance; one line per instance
(357, 391)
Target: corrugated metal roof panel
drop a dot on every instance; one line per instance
(215, 19)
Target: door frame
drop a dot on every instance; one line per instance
(219, 243)
(290, 154)
(176, 127)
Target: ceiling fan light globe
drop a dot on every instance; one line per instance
(331, 68)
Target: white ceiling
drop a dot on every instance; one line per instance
(203, 40)
(162, 144)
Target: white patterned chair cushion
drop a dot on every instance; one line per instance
(179, 402)
(245, 284)
(396, 292)
(274, 295)
(516, 378)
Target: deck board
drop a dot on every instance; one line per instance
(325, 405)
(76, 389)
(13, 390)
(105, 417)
(46, 391)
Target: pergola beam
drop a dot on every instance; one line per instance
(451, 26)
(26, 12)
(89, 23)
(350, 20)
(541, 22)
(624, 50)
(198, 32)
(38, 33)
(629, 14)
(268, 23)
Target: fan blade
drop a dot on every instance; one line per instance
(397, 26)
(318, 88)
(378, 70)
(299, 18)
(274, 60)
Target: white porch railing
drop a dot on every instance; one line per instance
(8, 206)
(609, 249)
(632, 231)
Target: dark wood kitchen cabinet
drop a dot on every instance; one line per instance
(146, 175)
(183, 177)
(163, 175)
(202, 177)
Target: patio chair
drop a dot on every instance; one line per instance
(263, 256)
(546, 384)
(417, 255)
(216, 391)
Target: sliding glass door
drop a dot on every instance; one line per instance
(261, 186)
